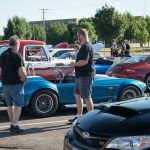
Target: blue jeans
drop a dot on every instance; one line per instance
(14, 95)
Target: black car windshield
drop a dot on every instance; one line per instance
(3, 48)
(137, 59)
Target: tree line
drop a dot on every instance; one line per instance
(106, 25)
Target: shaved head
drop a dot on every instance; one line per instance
(83, 32)
(83, 36)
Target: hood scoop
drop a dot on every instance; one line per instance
(121, 111)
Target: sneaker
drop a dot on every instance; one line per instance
(73, 119)
(16, 129)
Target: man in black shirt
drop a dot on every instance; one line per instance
(84, 73)
(13, 75)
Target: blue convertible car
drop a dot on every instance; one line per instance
(43, 98)
(102, 64)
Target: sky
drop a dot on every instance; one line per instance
(31, 10)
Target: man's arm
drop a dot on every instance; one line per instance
(80, 63)
(23, 73)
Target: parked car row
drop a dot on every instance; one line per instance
(35, 53)
(43, 98)
(122, 123)
(102, 64)
(135, 68)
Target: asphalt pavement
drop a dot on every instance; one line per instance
(40, 133)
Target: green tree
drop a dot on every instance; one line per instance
(1, 37)
(147, 19)
(17, 26)
(38, 33)
(109, 23)
(131, 27)
(57, 32)
(142, 33)
(89, 25)
(72, 32)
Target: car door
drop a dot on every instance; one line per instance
(103, 90)
(39, 58)
(66, 93)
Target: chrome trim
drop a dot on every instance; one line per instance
(84, 105)
(28, 68)
(85, 135)
(79, 131)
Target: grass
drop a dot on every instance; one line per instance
(134, 51)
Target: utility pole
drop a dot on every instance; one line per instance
(43, 14)
(33, 31)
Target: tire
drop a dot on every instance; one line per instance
(43, 104)
(129, 92)
(147, 82)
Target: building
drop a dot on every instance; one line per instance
(48, 22)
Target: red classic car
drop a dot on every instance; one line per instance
(134, 68)
(62, 45)
(35, 53)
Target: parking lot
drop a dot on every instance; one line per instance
(40, 133)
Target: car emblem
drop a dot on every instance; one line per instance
(85, 135)
(110, 90)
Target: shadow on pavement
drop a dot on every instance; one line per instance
(7, 133)
(25, 115)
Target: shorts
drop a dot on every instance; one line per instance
(83, 86)
(14, 95)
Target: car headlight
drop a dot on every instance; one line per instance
(130, 143)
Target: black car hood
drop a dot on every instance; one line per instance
(118, 120)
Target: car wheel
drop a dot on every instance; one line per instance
(129, 92)
(147, 82)
(44, 103)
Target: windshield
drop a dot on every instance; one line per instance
(136, 59)
(64, 56)
(67, 56)
(3, 48)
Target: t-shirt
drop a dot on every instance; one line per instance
(127, 47)
(86, 53)
(10, 61)
(114, 47)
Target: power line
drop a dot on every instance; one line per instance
(77, 6)
(82, 6)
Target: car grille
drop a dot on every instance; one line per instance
(92, 141)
